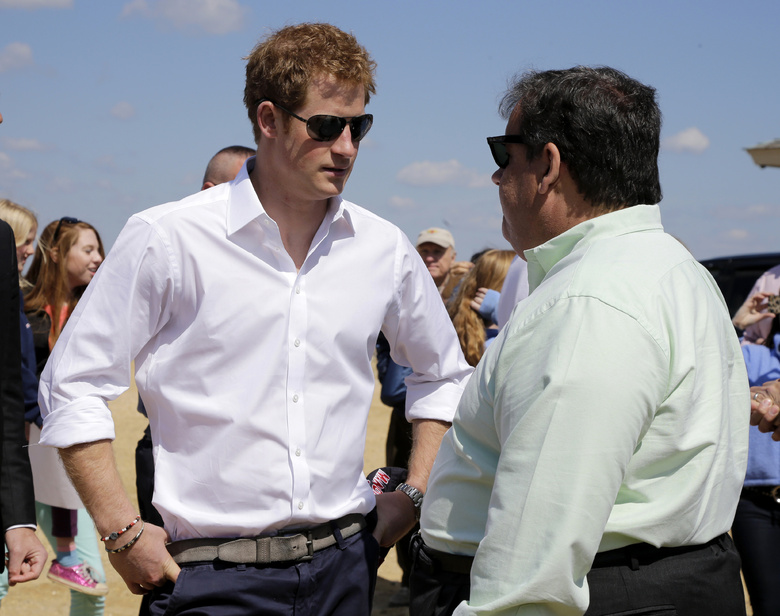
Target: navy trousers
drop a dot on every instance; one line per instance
(338, 581)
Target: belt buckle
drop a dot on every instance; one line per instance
(775, 493)
(309, 548)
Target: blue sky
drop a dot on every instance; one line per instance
(114, 106)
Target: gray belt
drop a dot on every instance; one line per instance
(264, 550)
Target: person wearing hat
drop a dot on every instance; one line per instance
(437, 249)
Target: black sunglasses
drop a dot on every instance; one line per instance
(67, 220)
(329, 127)
(497, 147)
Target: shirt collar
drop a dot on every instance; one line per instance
(244, 206)
(627, 220)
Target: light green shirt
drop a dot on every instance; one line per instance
(612, 409)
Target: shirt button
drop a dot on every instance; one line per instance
(297, 342)
(298, 452)
(300, 505)
(297, 290)
(295, 398)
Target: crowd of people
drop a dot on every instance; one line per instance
(571, 418)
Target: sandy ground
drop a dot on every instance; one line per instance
(43, 597)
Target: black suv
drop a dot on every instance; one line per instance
(737, 275)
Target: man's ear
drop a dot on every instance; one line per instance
(551, 156)
(266, 119)
(207, 184)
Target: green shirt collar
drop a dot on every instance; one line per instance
(627, 220)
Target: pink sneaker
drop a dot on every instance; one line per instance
(79, 577)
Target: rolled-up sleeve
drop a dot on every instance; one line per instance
(124, 306)
(421, 336)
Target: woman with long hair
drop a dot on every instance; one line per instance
(474, 331)
(24, 225)
(68, 255)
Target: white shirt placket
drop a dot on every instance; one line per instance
(295, 397)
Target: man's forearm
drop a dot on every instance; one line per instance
(146, 563)
(92, 468)
(427, 435)
(396, 514)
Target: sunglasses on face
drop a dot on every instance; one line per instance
(68, 220)
(497, 147)
(329, 127)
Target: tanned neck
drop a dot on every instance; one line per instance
(298, 222)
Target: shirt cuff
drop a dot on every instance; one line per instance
(30, 526)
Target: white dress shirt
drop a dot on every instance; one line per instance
(257, 378)
(612, 409)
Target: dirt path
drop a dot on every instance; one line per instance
(43, 597)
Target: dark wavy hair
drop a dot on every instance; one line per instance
(606, 125)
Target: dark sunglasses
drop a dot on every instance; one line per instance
(69, 220)
(329, 127)
(497, 147)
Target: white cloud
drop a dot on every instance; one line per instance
(428, 173)
(688, 140)
(402, 203)
(8, 170)
(737, 234)
(756, 211)
(210, 16)
(106, 162)
(123, 110)
(61, 185)
(24, 145)
(36, 4)
(15, 55)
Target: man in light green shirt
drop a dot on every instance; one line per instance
(596, 457)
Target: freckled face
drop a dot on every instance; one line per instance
(317, 170)
(83, 259)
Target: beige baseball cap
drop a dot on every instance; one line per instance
(440, 237)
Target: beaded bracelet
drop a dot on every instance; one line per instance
(129, 543)
(115, 536)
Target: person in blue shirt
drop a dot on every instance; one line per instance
(756, 529)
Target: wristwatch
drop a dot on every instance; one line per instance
(414, 494)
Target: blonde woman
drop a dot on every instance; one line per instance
(475, 331)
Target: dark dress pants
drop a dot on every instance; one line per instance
(700, 582)
(398, 450)
(694, 583)
(435, 587)
(756, 532)
(338, 581)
